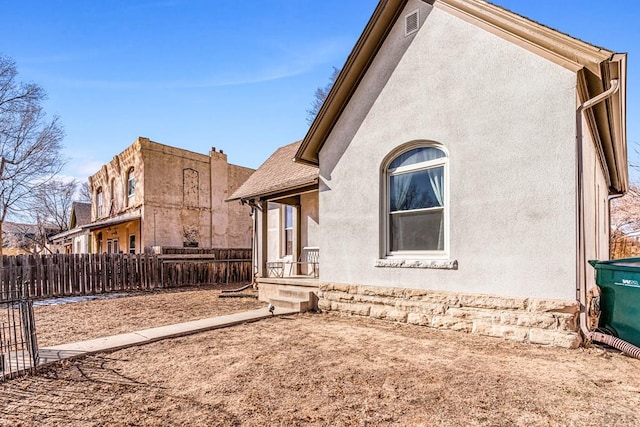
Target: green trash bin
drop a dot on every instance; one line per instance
(619, 282)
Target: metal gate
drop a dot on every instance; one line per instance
(18, 343)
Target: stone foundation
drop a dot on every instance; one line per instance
(529, 320)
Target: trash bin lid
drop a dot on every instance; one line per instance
(616, 264)
(626, 264)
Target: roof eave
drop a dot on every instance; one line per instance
(66, 233)
(567, 51)
(348, 79)
(616, 124)
(266, 195)
(563, 49)
(111, 222)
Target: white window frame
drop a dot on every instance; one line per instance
(99, 202)
(113, 246)
(283, 251)
(386, 174)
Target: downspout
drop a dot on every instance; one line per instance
(615, 342)
(581, 286)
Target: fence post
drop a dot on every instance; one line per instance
(57, 275)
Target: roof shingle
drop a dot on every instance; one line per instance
(278, 173)
(83, 213)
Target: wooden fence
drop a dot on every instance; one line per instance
(47, 276)
(625, 247)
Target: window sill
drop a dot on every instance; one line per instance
(438, 264)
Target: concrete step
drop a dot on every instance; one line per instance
(296, 293)
(301, 305)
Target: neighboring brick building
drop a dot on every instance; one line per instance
(156, 195)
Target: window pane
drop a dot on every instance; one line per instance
(417, 155)
(132, 185)
(417, 231)
(417, 190)
(288, 242)
(288, 216)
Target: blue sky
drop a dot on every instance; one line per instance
(237, 75)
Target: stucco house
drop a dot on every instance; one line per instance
(466, 158)
(152, 194)
(75, 240)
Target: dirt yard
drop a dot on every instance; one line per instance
(59, 324)
(314, 369)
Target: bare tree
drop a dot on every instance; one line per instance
(320, 95)
(14, 235)
(30, 146)
(84, 193)
(634, 164)
(49, 214)
(625, 213)
(31, 238)
(51, 205)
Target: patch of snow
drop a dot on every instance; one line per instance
(69, 300)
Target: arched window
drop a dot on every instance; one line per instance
(416, 199)
(131, 183)
(99, 203)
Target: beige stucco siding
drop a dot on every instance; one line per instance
(239, 221)
(596, 211)
(164, 192)
(179, 196)
(310, 221)
(111, 180)
(506, 117)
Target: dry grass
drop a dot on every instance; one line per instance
(319, 369)
(59, 324)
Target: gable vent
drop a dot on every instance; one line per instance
(411, 22)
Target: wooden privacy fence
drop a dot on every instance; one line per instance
(59, 275)
(625, 247)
